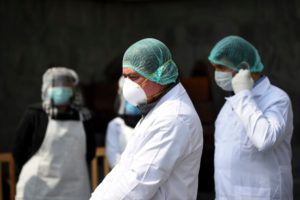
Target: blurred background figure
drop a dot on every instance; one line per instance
(120, 129)
(54, 142)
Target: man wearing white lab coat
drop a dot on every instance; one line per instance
(162, 159)
(253, 129)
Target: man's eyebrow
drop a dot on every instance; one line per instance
(131, 74)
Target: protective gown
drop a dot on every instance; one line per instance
(253, 145)
(162, 159)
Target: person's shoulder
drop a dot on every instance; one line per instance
(177, 107)
(35, 108)
(116, 121)
(274, 96)
(278, 93)
(115, 125)
(34, 111)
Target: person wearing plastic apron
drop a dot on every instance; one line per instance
(253, 130)
(54, 165)
(162, 159)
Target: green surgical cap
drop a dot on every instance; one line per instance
(236, 53)
(152, 59)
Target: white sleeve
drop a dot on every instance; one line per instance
(265, 128)
(150, 165)
(112, 146)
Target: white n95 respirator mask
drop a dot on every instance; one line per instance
(223, 80)
(134, 93)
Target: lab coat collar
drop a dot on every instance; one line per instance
(145, 108)
(174, 93)
(262, 87)
(259, 89)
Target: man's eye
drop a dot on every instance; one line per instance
(221, 68)
(133, 78)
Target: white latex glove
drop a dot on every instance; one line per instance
(242, 81)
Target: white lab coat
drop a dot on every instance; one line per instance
(58, 170)
(117, 136)
(162, 159)
(253, 145)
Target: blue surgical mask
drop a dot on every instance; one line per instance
(131, 109)
(60, 95)
(223, 80)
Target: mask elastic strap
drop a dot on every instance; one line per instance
(159, 93)
(143, 83)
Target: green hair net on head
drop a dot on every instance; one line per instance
(236, 53)
(153, 60)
